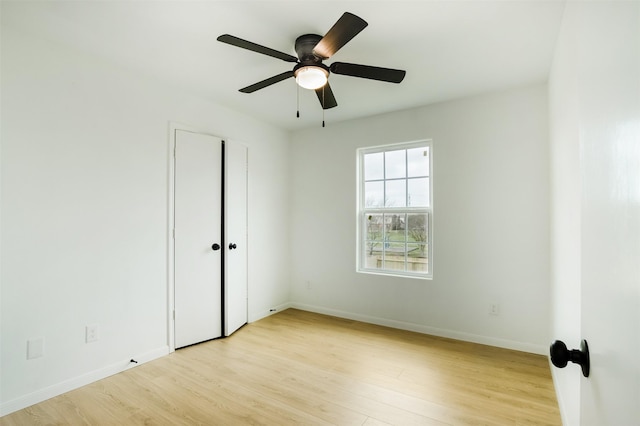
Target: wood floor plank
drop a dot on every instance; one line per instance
(297, 367)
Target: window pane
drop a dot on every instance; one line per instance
(418, 192)
(418, 161)
(374, 227)
(417, 258)
(395, 227)
(394, 256)
(373, 166)
(373, 260)
(395, 164)
(417, 228)
(374, 194)
(416, 251)
(396, 193)
(374, 241)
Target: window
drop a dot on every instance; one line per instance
(395, 209)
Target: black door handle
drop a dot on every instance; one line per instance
(560, 355)
(215, 246)
(232, 246)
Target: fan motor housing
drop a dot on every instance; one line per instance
(304, 47)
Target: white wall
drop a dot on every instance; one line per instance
(491, 226)
(84, 214)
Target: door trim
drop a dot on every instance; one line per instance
(173, 128)
(223, 260)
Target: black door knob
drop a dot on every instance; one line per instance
(215, 246)
(560, 355)
(232, 246)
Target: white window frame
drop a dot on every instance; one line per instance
(363, 211)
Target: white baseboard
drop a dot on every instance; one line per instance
(76, 382)
(419, 328)
(253, 317)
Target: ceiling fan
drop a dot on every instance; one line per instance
(312, 49)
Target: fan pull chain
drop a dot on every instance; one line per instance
(297, 101)
(323, 104)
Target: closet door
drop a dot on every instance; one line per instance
(236, 276)
(198, 238)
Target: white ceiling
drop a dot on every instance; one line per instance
(450, 49)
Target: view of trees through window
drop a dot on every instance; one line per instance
(395, 209)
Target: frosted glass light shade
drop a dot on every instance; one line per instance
(311, 77)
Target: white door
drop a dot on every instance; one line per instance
(236, 252)
(610, 162)
(198, 228)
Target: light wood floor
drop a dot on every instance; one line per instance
(301, 368)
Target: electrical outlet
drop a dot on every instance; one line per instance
(494, 309)
(35, 348)
(91, 333)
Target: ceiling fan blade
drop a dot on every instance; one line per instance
(268, 82)
(238, 42)
(367, 71)
(326, 98)
(346, 28)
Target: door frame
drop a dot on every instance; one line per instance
(173, 128)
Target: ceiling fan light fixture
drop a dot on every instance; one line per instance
(311, 77)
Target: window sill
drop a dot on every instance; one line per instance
(395, 275)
